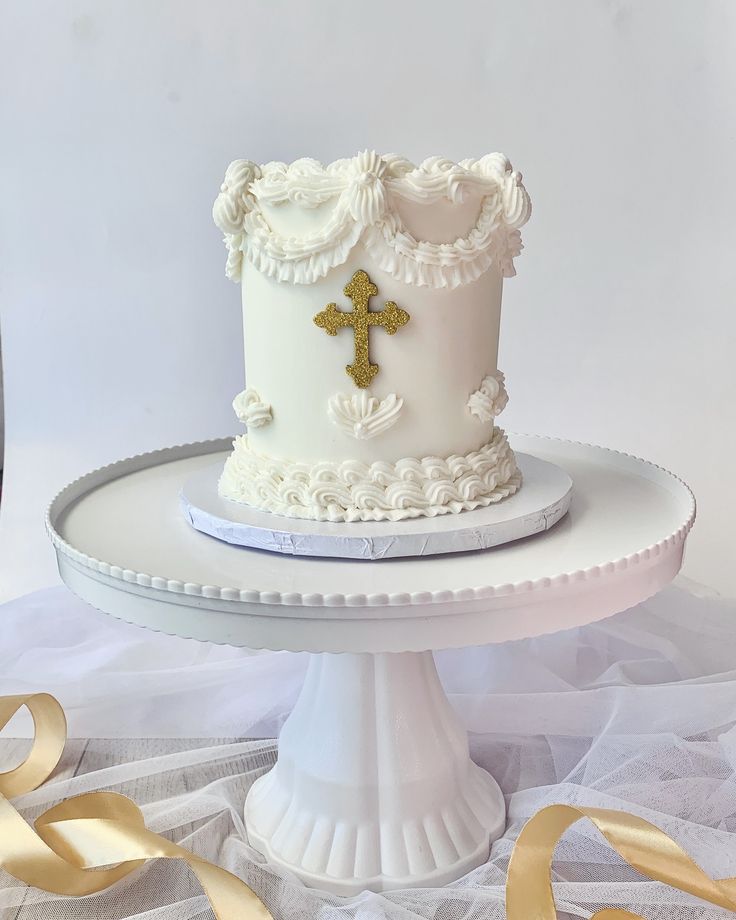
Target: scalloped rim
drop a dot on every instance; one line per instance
(315, 599)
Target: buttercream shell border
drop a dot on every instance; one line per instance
(364, 189)
(355, 491)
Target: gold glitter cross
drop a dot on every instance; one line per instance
(360, 289)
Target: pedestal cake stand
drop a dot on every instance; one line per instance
(374, 787)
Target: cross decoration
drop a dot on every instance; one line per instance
(360, 289)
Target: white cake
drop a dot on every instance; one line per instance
(371, 307)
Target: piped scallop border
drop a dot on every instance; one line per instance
(76, 489)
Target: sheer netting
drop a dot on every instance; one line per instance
(634, 713)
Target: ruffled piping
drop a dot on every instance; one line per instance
(363, 211)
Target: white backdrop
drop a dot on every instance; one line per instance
(121, 334)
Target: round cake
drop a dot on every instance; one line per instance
(371, 306)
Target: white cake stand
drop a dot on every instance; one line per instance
(374, 787)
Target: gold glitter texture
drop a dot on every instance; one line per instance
(359, 290)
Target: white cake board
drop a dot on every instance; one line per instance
(374, 787)
(541, 502)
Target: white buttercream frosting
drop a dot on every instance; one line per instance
(490, 399)
(363, 416)
(230, 208)
(355, 491)
(251, 409)
(364, 191)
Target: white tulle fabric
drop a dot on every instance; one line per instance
(636, 712)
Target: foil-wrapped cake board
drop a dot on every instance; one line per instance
(542, 501)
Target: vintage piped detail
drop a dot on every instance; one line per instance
(355, 491)
(251, 409)
(363, 416)
(364, 191)
(359, 290)
(490, 399)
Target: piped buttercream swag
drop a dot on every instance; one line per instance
(362, 189)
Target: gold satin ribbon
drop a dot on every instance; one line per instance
(73, 841)
(644, 847)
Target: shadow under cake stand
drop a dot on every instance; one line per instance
(374, 787)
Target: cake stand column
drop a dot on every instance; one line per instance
(374, 786)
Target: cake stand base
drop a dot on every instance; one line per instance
(374, 788)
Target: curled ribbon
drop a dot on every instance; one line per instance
(74, 840)
(645, 848)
